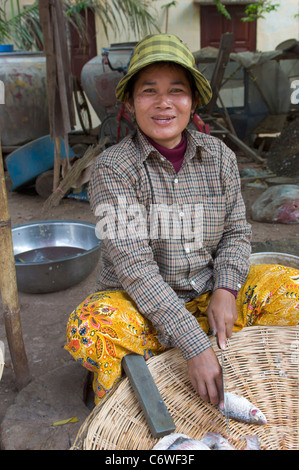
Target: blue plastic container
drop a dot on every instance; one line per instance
(32, 159)
(6, 47)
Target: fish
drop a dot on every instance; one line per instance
(176, 441)
(166, 441)
(210, 441)
(241, 409)
(188, 444)
(252, 443)
(216, 441)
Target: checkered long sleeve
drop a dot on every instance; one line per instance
(168, 237)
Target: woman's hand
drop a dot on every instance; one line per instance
(206, 377)
(222, 314)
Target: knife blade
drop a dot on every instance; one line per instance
(224, 385)
(224, 392)
(146, 391)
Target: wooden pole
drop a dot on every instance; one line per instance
(9, 291)
(57, 162)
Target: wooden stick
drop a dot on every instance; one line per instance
(227, 116)
(9, 291)
(71, 176)
(57, 163)
(247, 150)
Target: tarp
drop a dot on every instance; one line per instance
(255, 85)
(250, 59)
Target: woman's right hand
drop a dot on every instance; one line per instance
(206, 377)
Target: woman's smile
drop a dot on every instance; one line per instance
(163, 120)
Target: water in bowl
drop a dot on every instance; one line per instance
(48, 253)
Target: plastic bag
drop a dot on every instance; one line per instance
(278, 204)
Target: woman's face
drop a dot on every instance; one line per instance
(162, 103)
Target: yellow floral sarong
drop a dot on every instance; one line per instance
(107, 325)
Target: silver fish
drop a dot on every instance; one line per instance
(176, 441)
(188, 444)
(252, 443)
(216, 441)
(166, 441)
(240, 409)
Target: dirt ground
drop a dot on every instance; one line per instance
(44, 316)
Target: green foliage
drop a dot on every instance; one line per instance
(24, 29)
(222, 9)
(257, 10)
(253, 11)
(170, 4)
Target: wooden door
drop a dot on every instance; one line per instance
(213, 24)
(83, 50)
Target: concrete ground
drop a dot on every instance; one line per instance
(56, 390)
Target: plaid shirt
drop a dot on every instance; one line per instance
(168, 265)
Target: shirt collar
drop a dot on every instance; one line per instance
(146, 149)
(194, 146)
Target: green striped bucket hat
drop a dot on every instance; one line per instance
(164, 48)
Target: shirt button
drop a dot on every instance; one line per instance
(187, 249)
(239, 286)
(176, 181)
(192, 283)
(181, 214)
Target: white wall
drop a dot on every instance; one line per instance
(183, 20)
(278, 26)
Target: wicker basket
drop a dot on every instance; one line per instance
(262, 364)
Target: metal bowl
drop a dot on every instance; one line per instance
(53, 255)
(269, 257)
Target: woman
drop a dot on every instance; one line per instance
(176, 242)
